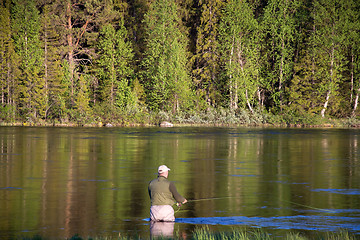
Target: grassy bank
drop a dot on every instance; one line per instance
(204, 233)
(212, 117)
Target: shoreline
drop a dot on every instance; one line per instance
(110, 125)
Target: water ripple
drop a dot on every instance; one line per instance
(300, 222)
(338, 191)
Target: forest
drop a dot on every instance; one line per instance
(186, 61)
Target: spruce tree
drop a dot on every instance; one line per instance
(26, 32)
(8, 66)
(53, 89)
(206, 57)
(82, 100)
(165, 75)
(115, 56)
(6, 49)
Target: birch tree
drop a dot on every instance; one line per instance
(280, 26)
(240, 52)
(352, 30)
(328, 36)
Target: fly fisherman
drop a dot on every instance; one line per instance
(163, 195)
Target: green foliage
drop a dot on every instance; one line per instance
(208, 61)
(5, 41)
(326, 39)
(53, 89)
(82, 100)
(26, 28)
(280, 28)
(114, 66)
(7, 113)
(165, 77)
(206, 57)
(8, 67)
(239, 51)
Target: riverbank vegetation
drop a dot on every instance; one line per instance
(248, 62)
(204, 233)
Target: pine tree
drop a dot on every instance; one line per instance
(79, 23)
(165, 77)
(240, 52)
(71, 13)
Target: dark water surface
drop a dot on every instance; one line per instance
(58, 182)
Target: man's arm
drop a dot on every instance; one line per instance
(176, 195)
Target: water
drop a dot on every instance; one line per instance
(58, 182)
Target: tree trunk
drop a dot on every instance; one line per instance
(9, 78)
(46, 75)
(113, 80)
(258, 92)
(326, 103)
(70, 51)
(352, 78)
(356, 103)
(331, 79)
(176, 103)
(281, 74)
(247, 101)
(232, 101)
(2, 95)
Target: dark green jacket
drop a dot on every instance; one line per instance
(163, 192)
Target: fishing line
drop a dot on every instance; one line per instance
(307, 206)
(218, 198)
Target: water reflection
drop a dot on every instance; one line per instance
(161, 229)
(58, 182)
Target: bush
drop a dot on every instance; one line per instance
(7, 113)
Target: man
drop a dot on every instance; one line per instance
(163, 195)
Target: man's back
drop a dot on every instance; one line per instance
(159, 192)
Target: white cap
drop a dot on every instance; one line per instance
(163, 168)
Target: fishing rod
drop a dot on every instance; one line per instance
(201, 199)
(207, 199)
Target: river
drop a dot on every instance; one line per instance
(58, 182)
